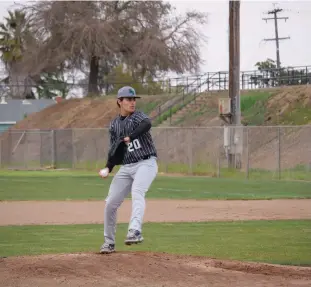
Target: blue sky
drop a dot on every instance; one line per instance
(293, 52)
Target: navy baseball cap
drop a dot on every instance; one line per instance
(127, 92)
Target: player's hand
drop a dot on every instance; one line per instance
(127, 140)
(103, 173)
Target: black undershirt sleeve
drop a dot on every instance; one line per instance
(109, 165)
(143, 127)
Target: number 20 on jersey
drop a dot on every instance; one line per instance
(135, 144)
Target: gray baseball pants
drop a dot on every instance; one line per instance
(137, 179)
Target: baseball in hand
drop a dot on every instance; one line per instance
(104, 172)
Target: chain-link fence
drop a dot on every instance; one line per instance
(276, 152)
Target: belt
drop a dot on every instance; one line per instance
(145, 158)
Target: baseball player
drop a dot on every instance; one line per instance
(137, 172)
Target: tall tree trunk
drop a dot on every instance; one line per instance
(93, 77)
(104, 75)
(16, 83)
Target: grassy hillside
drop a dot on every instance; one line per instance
(254, 107)
(278, 106)
(287, 106)
(85, 113)
(281, 106)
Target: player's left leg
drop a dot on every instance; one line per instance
(144, 174)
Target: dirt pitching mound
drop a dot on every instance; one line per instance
(144, 269)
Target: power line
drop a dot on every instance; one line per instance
(274, 12)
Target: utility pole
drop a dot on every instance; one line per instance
(274, 12)
(234, 155)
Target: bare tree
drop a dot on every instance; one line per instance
(142, 34)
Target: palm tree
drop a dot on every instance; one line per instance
(14, 36)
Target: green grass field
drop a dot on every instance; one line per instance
(66, 185)
(282, 242)
(279, 241)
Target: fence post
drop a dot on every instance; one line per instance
(26, 149)
(73, 149)
(190, 153)
(247, 153)
(218, 165)
(41, 162)
(53, 149)
(10, 147)
(279, 152)
(167, 155)
(43, 138)
(0, 153)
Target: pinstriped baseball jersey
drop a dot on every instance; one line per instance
(140, 147)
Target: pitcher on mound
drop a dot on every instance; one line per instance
(132, 144)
